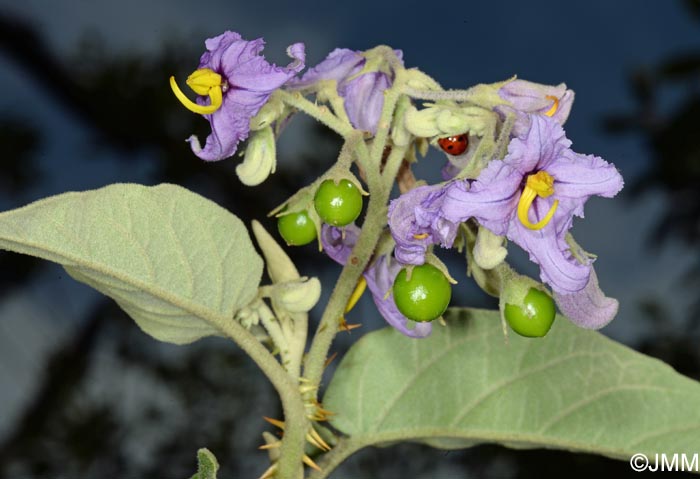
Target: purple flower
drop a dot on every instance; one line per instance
(531, 197)
(240, 80)
(534, 98)
(416, 222)
(380, 275)
(363, 94)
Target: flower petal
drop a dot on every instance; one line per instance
(339, 242)
(491, 199)
(530, 97)
(588, 308)
(253, 73)
(547, 248)
(577, 177)
(416, 222)
(364, 99)
(338, 65)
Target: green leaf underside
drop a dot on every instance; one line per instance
(464, 385)
(176, 262)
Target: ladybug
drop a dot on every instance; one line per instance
(454, 145)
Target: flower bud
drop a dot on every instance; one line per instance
(270, 112)
(297, 296)
(488, 250)
(249, 316)
(260, 158)
(444, 120)
(279, 266)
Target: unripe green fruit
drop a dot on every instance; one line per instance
(338, 205)
(425, 296)
(297, 229)
(535, 317)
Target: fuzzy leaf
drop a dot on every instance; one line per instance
(207, 465)
(174, 261)
(574, 389)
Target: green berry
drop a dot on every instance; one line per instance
(338, 205)
(534, 318)
(425, 296)
(297, 229)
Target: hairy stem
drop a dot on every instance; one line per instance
(296, 423)
(320, 113)
(329, 461)
(361, 254)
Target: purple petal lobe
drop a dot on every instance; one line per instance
(491, 199)
(364, 99)
(338, 65)
(588, 308)
(547, 248)
(339, 242)
(582, 176)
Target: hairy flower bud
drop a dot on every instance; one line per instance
(260, 158)
(297, 296)
(488, 250)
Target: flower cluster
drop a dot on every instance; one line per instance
(530, 196)
(511, 173)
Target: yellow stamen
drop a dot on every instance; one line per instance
(421, 236)
(538, 184)
(555, 105)
(204, 82)
(356, 294)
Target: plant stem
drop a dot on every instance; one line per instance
(329, 461)
(320, 113)
(361, 254)
(296, 424)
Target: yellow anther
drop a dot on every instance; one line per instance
(539, 184)
(555, 105)
(421, 236)
(542, 182)
(204, 82)
(357, 294)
